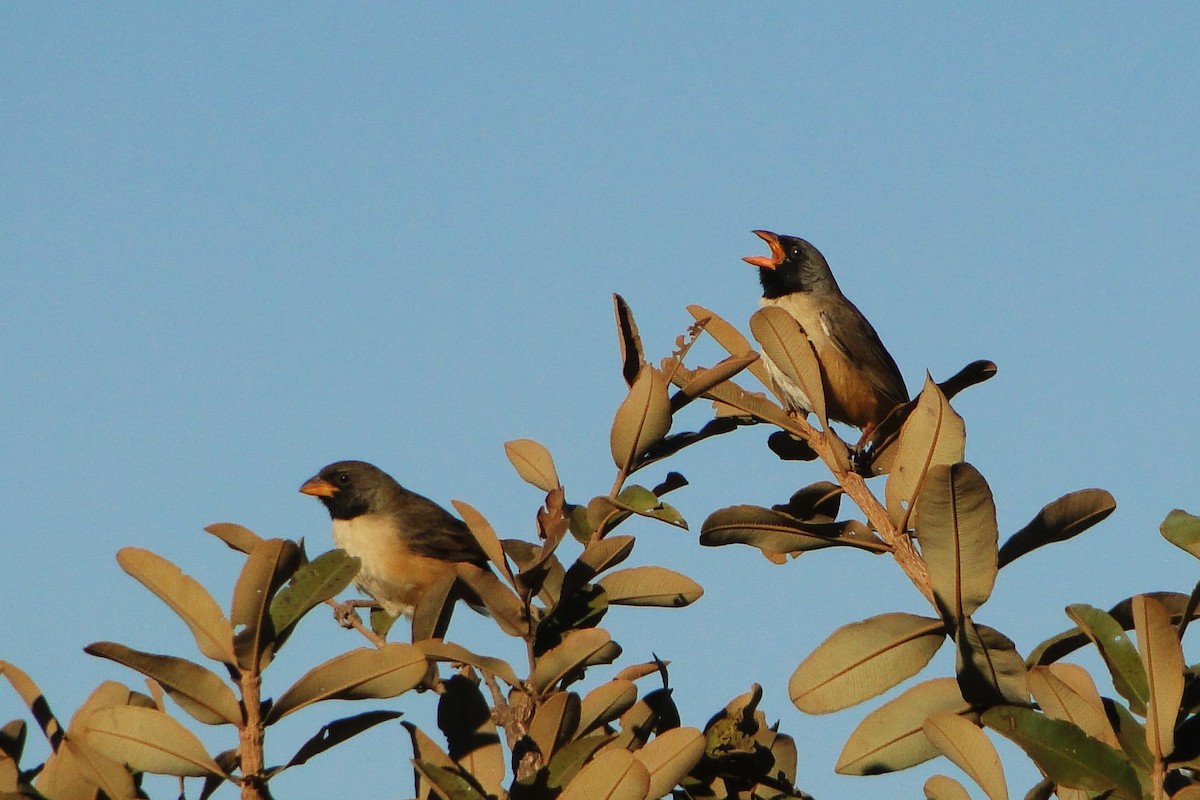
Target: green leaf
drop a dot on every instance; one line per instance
(360, 674)
(148, 741)
(453, 783)
(1068, 516)
(864, 659)
(933, 434)
(235, 536)
(958, 534)
(650, 586)
(265, 570)
(1182, 530)
(198, 691)
(338, 731)
(1119, 654)
(642, 419)
(891, 737)
(577, 648)
(962, 742)
(1162, 658)
(1065, 753)
(533, 463)
(312, 584)
(186, 597)
(669, 757)
(569, 759)
(643, 502)
(786, 346)
(612, 775)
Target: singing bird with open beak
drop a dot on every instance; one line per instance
(406, 542)
(861, 380)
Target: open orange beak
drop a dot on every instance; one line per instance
(318, 487)
(776, 258)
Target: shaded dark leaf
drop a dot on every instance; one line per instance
(338, 731)
(629, 339)
(1066, 517)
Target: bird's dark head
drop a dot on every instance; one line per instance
(793, 266)
(351, 488)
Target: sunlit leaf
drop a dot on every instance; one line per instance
(1066, 517)
(669, 757)
(611, 775)
(1066, 691)
(186, 597)
(34, 700)
(364, 673)
(958, 534)
(642, 419)
(943, 787)
(1162, 658)
(575, 651)
(482, 530)
(235, 536)
(786, 346)
(605, 703)
(1064, 752)
(728, 337)
(198, 691)
(962, 742)
(505, 607)
(650, 586)
(863, 659)
(533, 463)
(149, 741)
(701, 381)
(933, 434)
(439, 650)
(891, 738)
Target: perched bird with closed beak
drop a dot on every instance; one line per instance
(861, 380)
(405, 541)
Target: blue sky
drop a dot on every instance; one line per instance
(239, 242)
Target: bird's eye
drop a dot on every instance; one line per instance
(343, 478)
(797, 252)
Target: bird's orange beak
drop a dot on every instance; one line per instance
(318, 487)
(776, 258)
